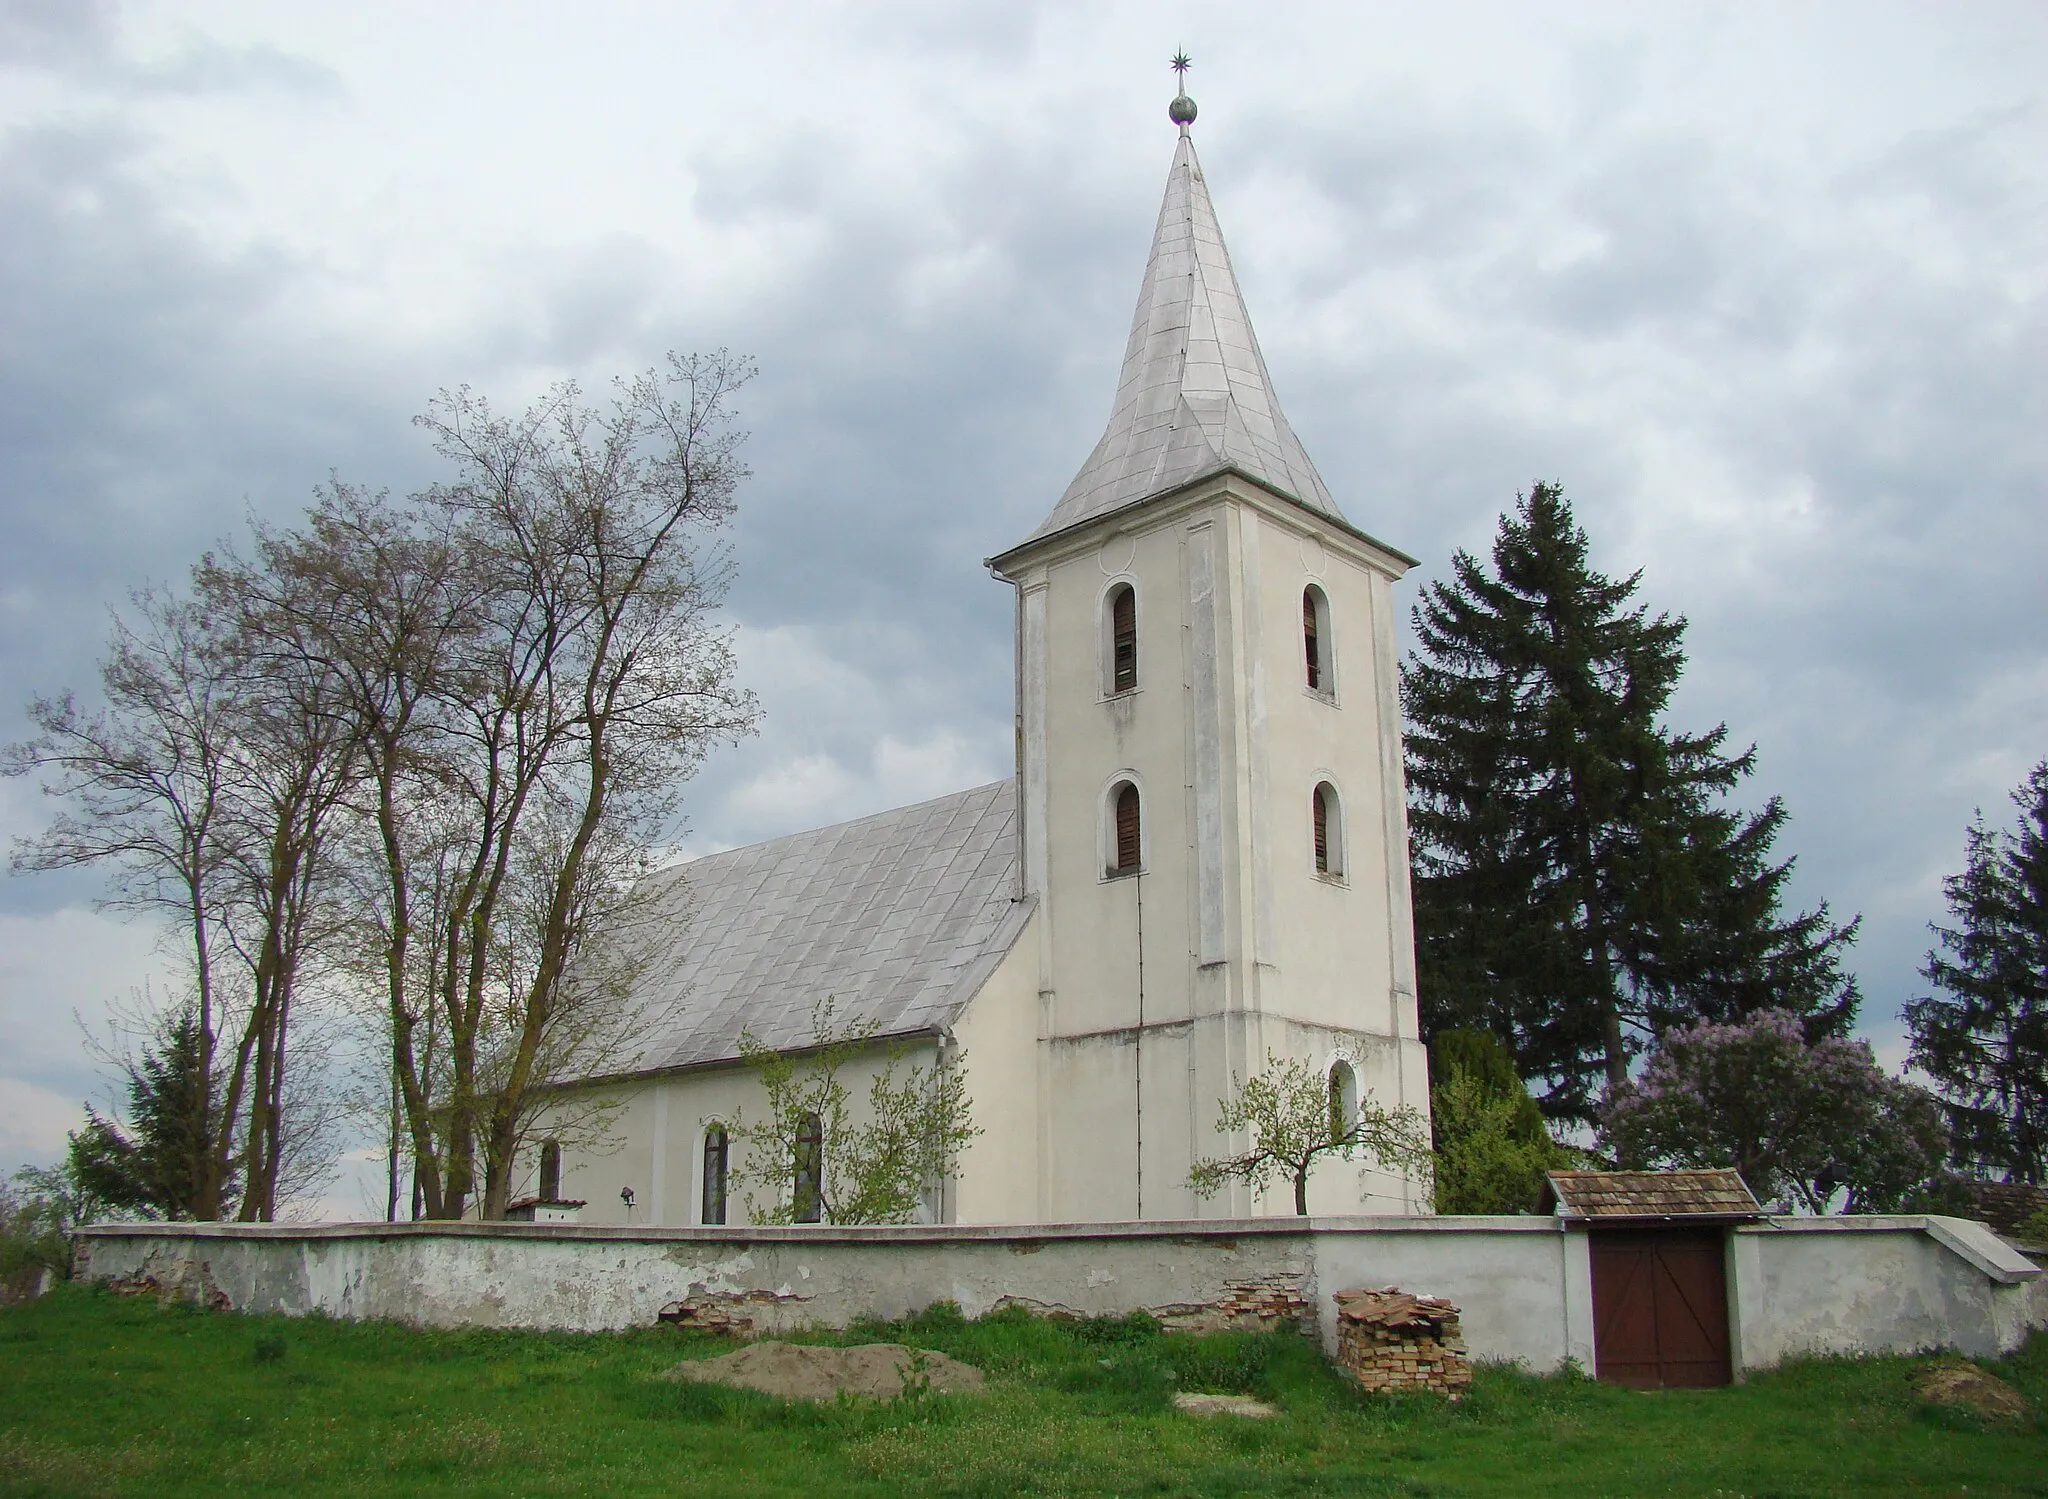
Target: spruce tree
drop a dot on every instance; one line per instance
(158, 1166)
(1983, 1036)
(1580, 884)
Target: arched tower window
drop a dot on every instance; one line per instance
(1315, 640)
(550, 1171)
(1343, 1100)
(1123, 639)
(808, 1204)
(1328, 817)
(717, 1163)
(1126, 840)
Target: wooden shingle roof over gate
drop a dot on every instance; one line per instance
(1650, 1196)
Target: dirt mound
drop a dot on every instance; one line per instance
(1967, 1385)
(796, 1371)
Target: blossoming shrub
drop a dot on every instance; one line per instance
(1800, 1120)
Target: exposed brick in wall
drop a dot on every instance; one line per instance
(727, 1313)
(1262, 1305)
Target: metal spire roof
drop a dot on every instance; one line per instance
(1194, 397)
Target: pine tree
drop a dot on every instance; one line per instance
(1579, 883)
(158, 1166)
(1983, 1037)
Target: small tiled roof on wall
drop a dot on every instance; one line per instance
(1652, 1195)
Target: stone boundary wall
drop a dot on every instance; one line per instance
(1523, 1285)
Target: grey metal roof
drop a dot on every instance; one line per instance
(1194, 397)
(899, 917)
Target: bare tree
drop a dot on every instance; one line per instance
(423, 749)
(208, 781)
(148, 776)
(596, 684)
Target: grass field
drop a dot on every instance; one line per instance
(107, 1395)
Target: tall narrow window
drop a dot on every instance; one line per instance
(809, 1202)
(1129, 843)
(1123, 639)
(1315, 639)
(1343, 1100)
(550, 1171)
(717, 1157)
(1326, 814)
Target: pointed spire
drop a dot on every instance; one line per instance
(1194, 397)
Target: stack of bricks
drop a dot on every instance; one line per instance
(1392, 1342)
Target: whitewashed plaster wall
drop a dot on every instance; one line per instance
(1231, 940)
(1847, 1286)
(655, 1142)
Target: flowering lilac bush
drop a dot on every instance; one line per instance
(1797, 1119)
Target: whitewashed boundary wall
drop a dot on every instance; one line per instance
(1825, 1285)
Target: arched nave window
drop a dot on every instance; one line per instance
(550, 1171)
(1315, 640)
(1328, 816)
(717, 1169)
(1343, 1100)
(1122, 655)
(1126, 832)
(809, 1200)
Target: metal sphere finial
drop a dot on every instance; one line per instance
(1182, 110)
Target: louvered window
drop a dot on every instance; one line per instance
(1315, 642)
(1123, 640)
(809, 1202)
(1327, 814)
(1311, 639)
(1128, 843)
(717, 1159)
(550, 1171)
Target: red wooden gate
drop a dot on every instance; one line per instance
(1660, 1307)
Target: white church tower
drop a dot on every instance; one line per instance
(1211, 806)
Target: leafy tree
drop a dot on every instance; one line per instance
(1797, 1118)
(1294, 1119)
(1983, 1037)
(38, 1210)
(1580, 885)
(1492, 1147)
(809, 1157)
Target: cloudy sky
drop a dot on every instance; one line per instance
(1761, 284)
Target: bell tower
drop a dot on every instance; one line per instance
(1209, 766)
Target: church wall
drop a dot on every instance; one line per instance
(999, 1179)
(655, 1143)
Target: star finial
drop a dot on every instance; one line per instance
(1182, 110)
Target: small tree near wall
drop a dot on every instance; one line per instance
(809, 1160)
(1294, 1120)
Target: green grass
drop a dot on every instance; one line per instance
(107, 1395)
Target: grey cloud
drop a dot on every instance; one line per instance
(81, 41)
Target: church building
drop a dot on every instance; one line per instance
(1201, 860)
